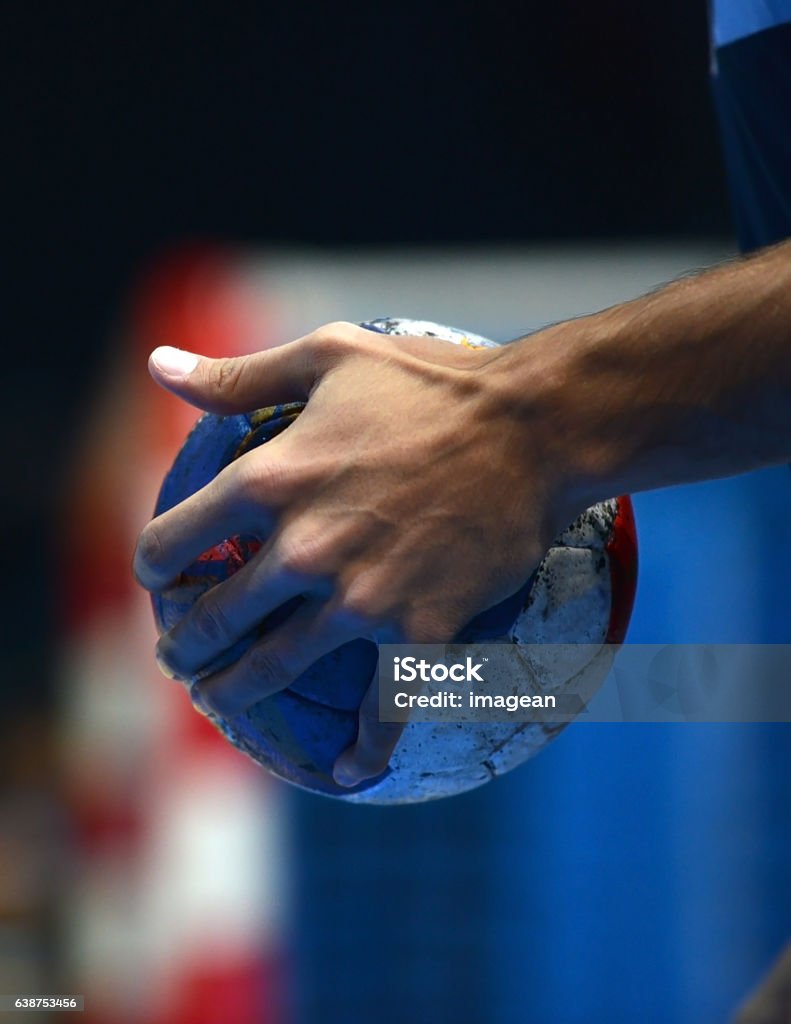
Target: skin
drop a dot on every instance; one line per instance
(423, 482)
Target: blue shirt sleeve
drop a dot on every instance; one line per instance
(736, 19)
(751, 83)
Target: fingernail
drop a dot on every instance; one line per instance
(198, 702)
(344, 776)
(174, 362)
(164, 668)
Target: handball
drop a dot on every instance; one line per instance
(581, 593)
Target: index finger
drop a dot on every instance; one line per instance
(222, 508)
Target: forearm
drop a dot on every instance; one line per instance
(687, 383)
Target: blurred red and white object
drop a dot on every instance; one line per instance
(175, 907)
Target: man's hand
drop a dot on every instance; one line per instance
(402, 502)
(423, 482)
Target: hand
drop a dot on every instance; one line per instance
(403, 501)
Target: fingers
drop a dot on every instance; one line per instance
(376, 741)
(225, 614)
(273, 663)
(242, 383)
(223, 508)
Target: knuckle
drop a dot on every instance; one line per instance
(150, 553)
(256, 481)
(225, 375)
(302, 555)
(243, 478)
(360, 604)
(335, 330)
(334, 340)
(209, 622)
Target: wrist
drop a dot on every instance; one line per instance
(566, 415)
(684, 384)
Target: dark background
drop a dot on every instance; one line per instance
(132, 127)
(129, 127)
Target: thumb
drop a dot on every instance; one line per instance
(239, 383)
